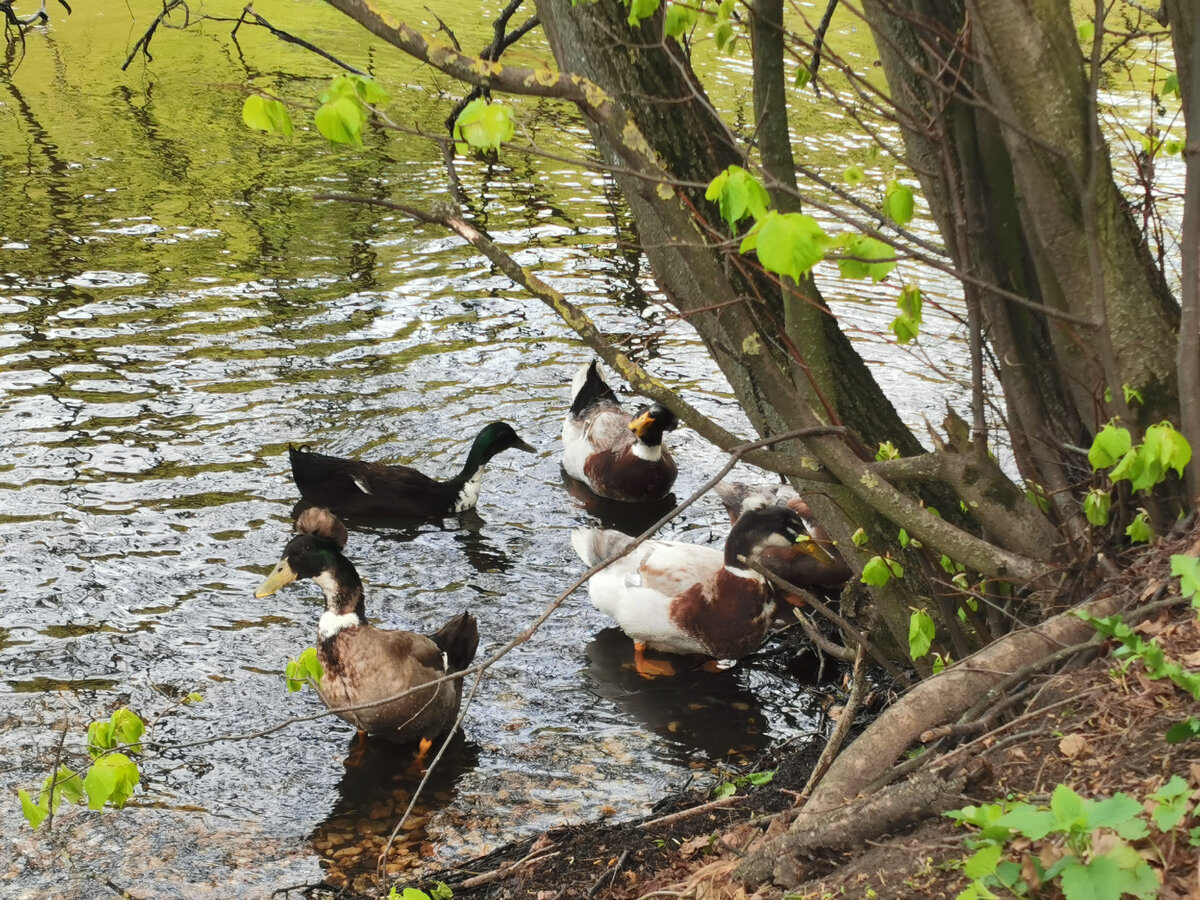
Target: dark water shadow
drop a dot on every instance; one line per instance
(630, 518)
(374, 793)
(710, 713)
(481, 554)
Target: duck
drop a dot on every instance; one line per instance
(616, 455)
(363, 664)
(687, 598)
(358, 489)
(799, 565)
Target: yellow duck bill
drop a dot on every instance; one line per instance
(281, 575)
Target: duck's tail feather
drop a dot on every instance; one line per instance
(458, 639)
(588, 388)
(595, 545)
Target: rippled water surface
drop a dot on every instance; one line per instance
(175, 309)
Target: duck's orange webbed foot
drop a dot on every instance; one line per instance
(357, 750)
(649, 668)
(423, 748)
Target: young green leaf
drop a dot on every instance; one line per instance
(1172, 802)
(920, 633)
(1109, 445)
(1139, 530)
(266, 114)
(641, 9)
(887, 450)
(787, 243)
(305, 669)
(484, 126)
(859, 538)
(739, 195)
(680, 19)
(340, 121)
(34, 813)
(1183, 731)
(879, 571)
(898, 202)
(865, 257)
(1096, 505)
(724, 789)
(1187, 569)
(854, 175)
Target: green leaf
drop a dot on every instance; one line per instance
(905, 328)
(68, 786)
(983, 862)
(641, 9)
(34, 814)
(887, 450)
(194, 697)
(1119, 812)
(100, 737)
(865, 257)
(803, 77)
(1183, 731)
(898, 202)
(1086, 32)
(723, 35)
(787, 243)
(921, 631)
(305, 669)
(1187, 569)
(1096, 505)
(1132, 395)
(1171, 86)
(413, 894)
(128, 728)
(1129, 468)
(100, 783)
(1172, 801)
(1168, 447)
(854, 175)
(1067, 807)
(739, 195)
(877, 572)
(341, 120)
(125, 778)
(1109, 445)
(680, 19)
(859, 538)
(724, 789)
(1029, 821)
(483, 126)
(266, 114)
(760, 778)
(1139, 530)
(441, 891)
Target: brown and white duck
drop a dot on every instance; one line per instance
(686, 598)
(797, 564)
(366, 665)
(616, 455)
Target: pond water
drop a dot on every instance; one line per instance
(175, 309)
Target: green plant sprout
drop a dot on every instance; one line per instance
(110, 778)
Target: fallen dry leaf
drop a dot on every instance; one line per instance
(1073, 745)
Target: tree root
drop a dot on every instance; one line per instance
(834, 819)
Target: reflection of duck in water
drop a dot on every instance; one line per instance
(685, 598)
(363, 664)
(631, 518)
(367, 490)
(614, 454)
(372, 796)
(797, 564)
(713, 713)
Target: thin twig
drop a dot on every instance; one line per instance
(688, 813)
(828, 613)
(496, 874)
(845, 720)
(62, 739)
